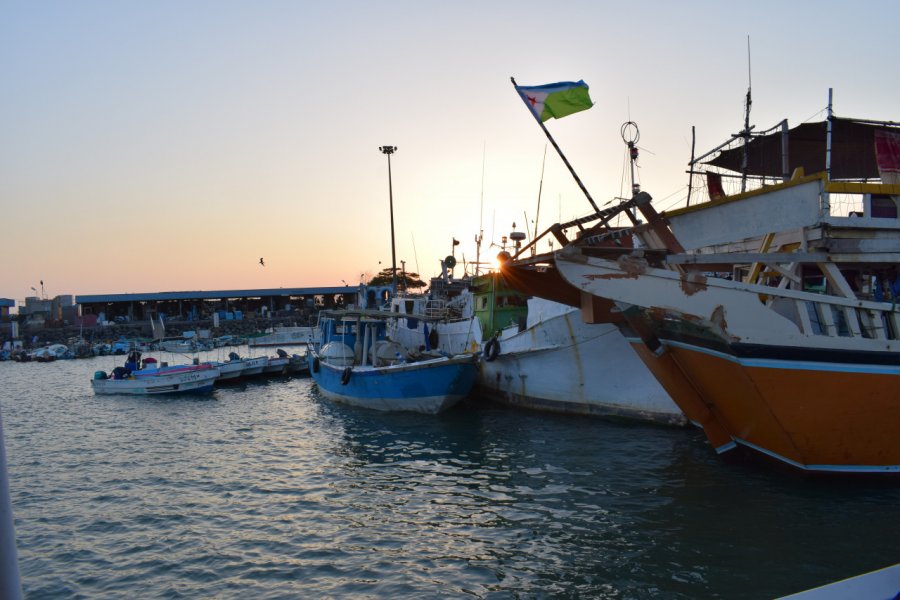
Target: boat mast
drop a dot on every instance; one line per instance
(746, 132)
(480, 235)
(826, 201)
(691, 164)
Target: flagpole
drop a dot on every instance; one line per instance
(558, 150)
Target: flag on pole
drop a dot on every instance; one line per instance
(556, 100)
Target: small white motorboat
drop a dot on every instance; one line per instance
(165, 380)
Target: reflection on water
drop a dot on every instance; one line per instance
(267, 490)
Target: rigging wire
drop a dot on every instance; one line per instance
(415, 254)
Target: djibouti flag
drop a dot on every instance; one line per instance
(556, 100)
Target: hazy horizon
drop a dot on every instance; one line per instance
(168, 146)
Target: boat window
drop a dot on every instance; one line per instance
(814, 320)
(814, 284)
(883, 207)
(345, 328)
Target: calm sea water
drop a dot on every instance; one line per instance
(267, 490)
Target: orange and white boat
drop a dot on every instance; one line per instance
(764, 313)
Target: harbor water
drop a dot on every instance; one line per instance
(267, 490)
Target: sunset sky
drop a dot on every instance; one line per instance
(168, 145)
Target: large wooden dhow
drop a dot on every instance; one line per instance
(767, 314)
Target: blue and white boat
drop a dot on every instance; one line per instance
(194, 379)
(352, 362)
(147, 377)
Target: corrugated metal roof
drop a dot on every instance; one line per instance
(214, 295)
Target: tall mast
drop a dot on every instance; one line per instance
(746, 132)
(691, 172)
(480, 235)
(826, 201)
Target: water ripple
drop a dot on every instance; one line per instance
(269, 491)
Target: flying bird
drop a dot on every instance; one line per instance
(262, 262)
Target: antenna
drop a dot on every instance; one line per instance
(749, 72)
(749, 101)
(480, 235)
(415, 254)
(631, 135)
(538, 213)
(481, 209)
(493, 224)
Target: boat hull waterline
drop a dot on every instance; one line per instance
(565, 365)
(427, 387)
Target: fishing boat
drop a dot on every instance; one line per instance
(535, 353)
(283, 336)
(768, 313)
(881, 583)
(229, 370)
(179, 346)
(151, 381)
(146, 376)
(252, 366)
(354, 363)
(297, 365)
(278, 364)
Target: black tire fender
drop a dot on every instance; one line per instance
(492, 349)
(345, 376)
(315, 364)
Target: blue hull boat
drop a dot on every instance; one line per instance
(430, 386)
(355, 363)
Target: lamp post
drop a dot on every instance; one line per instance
(390, 150)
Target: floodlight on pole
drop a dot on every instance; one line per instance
(390, 150)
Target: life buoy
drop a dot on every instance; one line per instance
(345, 376)
(491, 349)
(315, 365)
(433, 339)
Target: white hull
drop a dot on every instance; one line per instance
(276, 366)
(178, 347)
(559, 363)
(172, 383)
(565, 365)
(254, 366)
(230, 370)
(733, 309)
(284, 336)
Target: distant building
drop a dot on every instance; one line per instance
(199, 305)
(36, 311)
(5, 305)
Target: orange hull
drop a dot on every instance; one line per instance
(818, 419)
(685, 395)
